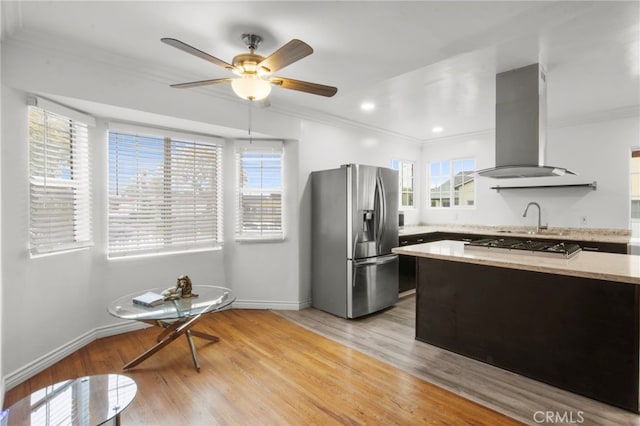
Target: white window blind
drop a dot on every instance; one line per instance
(59, 180)
(259, 213)
(165, 192)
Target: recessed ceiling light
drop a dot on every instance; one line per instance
(367, 106)
(437, 129)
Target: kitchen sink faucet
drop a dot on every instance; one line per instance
(533, 203)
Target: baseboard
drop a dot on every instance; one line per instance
(3, 387)
(277, 305)
(31, 369)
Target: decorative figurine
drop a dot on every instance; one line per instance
(172, 293)
(184, 282)
(182, 289)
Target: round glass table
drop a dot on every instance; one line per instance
(176, 317)
(89, 400)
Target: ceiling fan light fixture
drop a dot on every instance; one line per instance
(254, 71)
(251, 87)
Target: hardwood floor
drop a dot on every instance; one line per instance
(265, 370)
(389, 337)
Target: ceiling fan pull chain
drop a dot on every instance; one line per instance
(250, 120)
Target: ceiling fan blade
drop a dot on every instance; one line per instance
(201, 83)
(304, 86)
(196, 52)
(286, 55)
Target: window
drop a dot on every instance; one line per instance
(405, 178)
(59, 180)
(54, 404)
(259, 190)
(165, 191)
(452, 183)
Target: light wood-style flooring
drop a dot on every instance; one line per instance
(389, 337)
(265, 370)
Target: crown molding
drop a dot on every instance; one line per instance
(629, 111)
(467, 135)
(72, 50)
(334, 120)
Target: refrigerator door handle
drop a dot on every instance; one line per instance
(379, 260)
(382, 215)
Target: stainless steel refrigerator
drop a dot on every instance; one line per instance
(354, 228)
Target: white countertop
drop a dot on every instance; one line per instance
(603, 266)
(621, 236)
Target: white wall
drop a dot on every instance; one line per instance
(60, 301)
(323, 147)
(265, 274)
(2, 384)
(56, 300)
(69, 293)
(598, 150)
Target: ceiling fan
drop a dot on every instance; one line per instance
(254, 71)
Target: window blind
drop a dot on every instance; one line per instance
(165, 192)
(59, 182)
(259, 213)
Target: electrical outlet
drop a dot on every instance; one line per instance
(583, 220)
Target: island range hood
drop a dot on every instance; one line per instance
(521, 132)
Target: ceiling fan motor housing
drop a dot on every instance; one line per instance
(254, 70)
(251, 40)
(248, 63)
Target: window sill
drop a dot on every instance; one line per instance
(244, 240)
(164, 253)
(38, 255)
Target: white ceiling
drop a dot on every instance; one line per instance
(423, 63)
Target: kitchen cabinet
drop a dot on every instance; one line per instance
(551, 321)
(407, 265)
(556, 329)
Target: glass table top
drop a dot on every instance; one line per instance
(209, 299)
(89, 400)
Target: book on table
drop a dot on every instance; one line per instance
(149, 299)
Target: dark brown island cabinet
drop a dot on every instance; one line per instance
(576, 331)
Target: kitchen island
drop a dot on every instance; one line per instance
(572, 323)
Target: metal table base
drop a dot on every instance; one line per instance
(173, 330)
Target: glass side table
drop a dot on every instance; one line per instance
(176, 317)
(89, 400)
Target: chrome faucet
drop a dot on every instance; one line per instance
(533, 203)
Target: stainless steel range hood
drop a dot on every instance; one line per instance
(521, 128)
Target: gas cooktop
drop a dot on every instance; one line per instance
(523, 246)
